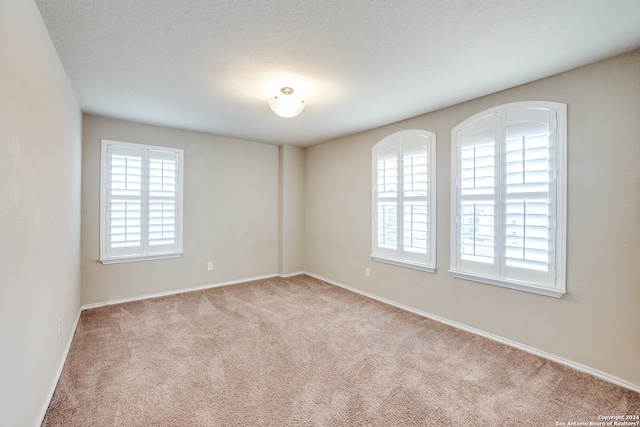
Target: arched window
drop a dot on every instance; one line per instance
(404, 220)
(508, 194)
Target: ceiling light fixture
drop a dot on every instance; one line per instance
(286, 105)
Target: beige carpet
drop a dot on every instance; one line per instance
(300, 352)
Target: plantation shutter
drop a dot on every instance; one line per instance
(124, 201)
(141, 202)
(415, 201)
(387, 198)
(162, 201)
(476, 195)
(529, 195)
(403, 200)
(507, 197)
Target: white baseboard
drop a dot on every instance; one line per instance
(519, 346)
(297, 273)
(178, 291)
(56, 378)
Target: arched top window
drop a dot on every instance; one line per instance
(404, 215)
(508, 195)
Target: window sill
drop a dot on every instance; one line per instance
(405, 264)
(118, 260)
(521, 286)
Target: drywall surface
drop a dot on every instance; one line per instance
(40, 155)
(230, 213)
(291, 217)
(596, 323)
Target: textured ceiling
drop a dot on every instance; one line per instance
(210, 66)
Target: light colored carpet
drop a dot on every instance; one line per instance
(300, 352)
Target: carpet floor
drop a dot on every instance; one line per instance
(300, 352)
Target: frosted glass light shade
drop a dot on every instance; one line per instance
(286, 105)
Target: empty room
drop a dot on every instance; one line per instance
(319, 213)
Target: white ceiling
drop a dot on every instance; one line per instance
(210, 66)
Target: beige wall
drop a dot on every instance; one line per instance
(230, 213)
(291, 219)
(596, 324)
(40, 143)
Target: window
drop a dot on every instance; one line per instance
(404, 220)
(509, 197)
(140, 202)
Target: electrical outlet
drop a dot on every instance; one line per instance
(367, 272)
(59, 328)
(210, 265)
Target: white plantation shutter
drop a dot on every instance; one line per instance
(162, 200)
(387, 220)
(416, 224)
(508, 197)
(124, 205)
(141, 200)
(404, 200)
(529, 171)
(477, 194)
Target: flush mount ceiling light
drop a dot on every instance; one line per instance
(286, 105)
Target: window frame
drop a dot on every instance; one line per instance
(397, 256)
(556, 276)
(109, 255)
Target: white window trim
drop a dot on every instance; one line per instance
(430, 266)
(561, 203)
(104, 251)
(123, 259)
(407, 264)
